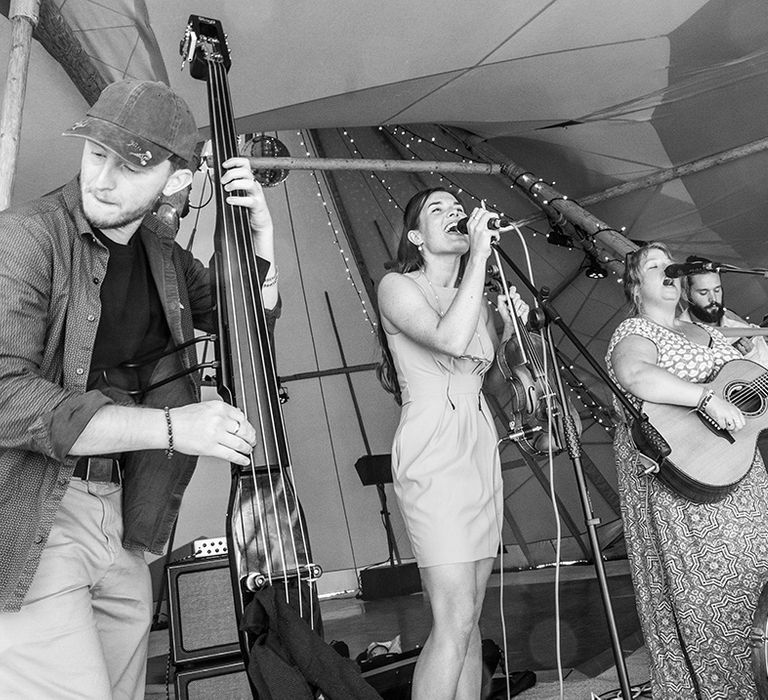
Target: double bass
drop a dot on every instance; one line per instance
(268, 542)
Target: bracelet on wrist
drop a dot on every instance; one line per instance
(270, 279)
(169, 449)
(706, 397)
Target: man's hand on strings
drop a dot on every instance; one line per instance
(239, 176)
(213, 429)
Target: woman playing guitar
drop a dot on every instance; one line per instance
(697, 568)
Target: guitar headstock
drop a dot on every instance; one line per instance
(204, 43)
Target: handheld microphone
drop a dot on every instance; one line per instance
(681, 269)
(493, 224)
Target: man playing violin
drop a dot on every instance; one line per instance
(100, 417)
(703, 292)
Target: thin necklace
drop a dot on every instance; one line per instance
(440, 312)
(434, 293)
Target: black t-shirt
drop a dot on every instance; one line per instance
(132, 327)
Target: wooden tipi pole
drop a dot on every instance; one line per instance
(607, 244)
(23, 15)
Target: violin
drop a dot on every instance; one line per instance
(528, 392)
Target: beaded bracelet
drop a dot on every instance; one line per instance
(270, 279)
(706, 397)
(169, 450)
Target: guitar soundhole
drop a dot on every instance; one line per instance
(747, 398)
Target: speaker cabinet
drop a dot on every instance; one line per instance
(217, 682)
(202, 611)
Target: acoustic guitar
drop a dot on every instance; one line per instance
(705, 462)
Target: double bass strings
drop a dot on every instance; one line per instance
(278, 470)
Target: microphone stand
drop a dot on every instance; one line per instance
(573, 447)
(761, 271)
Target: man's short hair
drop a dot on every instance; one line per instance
(698, 266)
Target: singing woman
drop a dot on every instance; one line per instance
(438, 340)
(697, 569)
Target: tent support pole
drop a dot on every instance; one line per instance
(596, 237)
(381, 164)
(578, 216)
(661, 176)
(23, 15)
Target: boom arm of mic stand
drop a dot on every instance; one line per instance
(761, 271)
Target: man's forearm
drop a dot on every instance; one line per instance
(122, 429)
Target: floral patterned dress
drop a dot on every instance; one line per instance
(697, 569)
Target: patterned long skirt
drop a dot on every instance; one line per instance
(697, 570)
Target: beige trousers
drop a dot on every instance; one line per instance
(83, 631)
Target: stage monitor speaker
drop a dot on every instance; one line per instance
(389, 580)
(202, 611)
(226, 681)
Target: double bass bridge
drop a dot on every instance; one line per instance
(308, 573)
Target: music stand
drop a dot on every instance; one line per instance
(376, 470)
(397, 578)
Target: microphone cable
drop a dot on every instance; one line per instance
(551, 464)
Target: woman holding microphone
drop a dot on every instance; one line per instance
(438, 341)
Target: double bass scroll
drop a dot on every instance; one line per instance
(267, 537)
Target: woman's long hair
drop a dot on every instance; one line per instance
(408, 259)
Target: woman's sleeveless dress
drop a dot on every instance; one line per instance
(697, 569)
(445, 461)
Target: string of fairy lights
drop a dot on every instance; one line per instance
(409, 140)
(335, 228)
(412, 142)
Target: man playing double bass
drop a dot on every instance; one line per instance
(96, 447)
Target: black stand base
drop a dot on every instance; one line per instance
(518, 682)
(391, 675)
